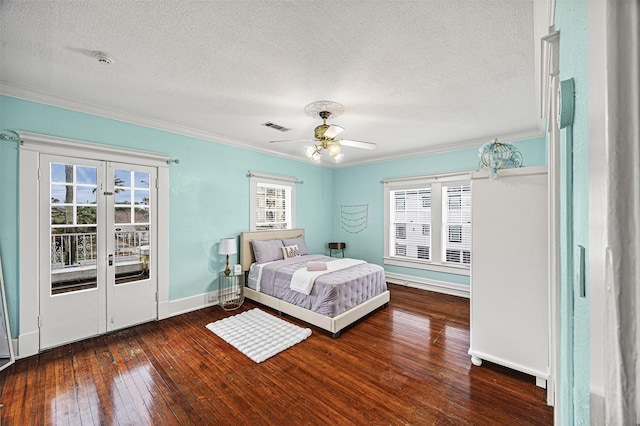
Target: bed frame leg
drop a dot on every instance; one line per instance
(336, 334)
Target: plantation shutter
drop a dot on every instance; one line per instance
(411, 223)
(272, 206)
(456, 223)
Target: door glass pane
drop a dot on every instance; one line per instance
(122, 178)
(86, 194)
(141, 197)
(86, 215)
(61, 173)
(86, 175)
(61, 215)
(59, 194)
(73, 231)
(123, 215)
(141, 179)
(142, 215)
(132, 219)
(122, 196)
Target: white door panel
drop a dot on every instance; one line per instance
(131, 298)
(72, 290)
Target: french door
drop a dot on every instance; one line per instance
(97, 256)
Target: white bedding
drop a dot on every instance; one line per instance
(302, 280)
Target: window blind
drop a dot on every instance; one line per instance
(456, 223)
(272, 206)
(411, 223)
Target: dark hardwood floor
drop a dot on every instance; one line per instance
(406, 364)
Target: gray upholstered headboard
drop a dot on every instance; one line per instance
(246, 252)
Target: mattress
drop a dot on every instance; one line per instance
(332, 293)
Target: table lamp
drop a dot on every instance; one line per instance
(227, 246)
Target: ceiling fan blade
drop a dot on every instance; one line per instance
(295, 140)
(358, 144)
(333, 131)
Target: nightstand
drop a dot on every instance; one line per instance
(337, 246)
(230, 291)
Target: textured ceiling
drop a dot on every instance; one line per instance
(412, 75)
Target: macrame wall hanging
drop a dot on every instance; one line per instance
(353, 218)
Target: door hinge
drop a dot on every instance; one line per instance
(39, 173)
(39, 321)
(156, 296)
(156, 183)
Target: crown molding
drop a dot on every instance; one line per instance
(21, 92)
(454, 146)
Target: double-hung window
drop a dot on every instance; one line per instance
(411, 222)
(272, 203)
(456, 223)
(428, 223)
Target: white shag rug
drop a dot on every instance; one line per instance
(257, 334)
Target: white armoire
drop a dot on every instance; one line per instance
(509, 271)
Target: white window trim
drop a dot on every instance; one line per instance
(31, 146)
(417, 182)
(257, 177)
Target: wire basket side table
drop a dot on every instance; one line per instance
(230, 291)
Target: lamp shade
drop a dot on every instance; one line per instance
(227, 246)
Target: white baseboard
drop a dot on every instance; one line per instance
(190, 304)
(28, 344)
(14, 343)
(459, 290)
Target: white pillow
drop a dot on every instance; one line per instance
(289, 252)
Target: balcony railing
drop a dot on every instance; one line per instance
(77, 250)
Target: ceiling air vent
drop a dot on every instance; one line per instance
(276, 126)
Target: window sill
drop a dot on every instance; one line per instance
(416, 264)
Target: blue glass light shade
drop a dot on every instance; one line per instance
(496, 155)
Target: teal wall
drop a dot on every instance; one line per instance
(361, 185)
(208, 190)
(571, 20)
(209, 193)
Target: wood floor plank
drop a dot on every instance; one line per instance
(405, 364)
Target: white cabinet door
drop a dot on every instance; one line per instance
(509, 276)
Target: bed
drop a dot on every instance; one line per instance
(337, 298)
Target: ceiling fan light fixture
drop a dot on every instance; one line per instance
(332, 131)
(334, 149)
(324, 138)
(309, 150)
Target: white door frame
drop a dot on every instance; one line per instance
(551, 48)
(31, 146)
(599, 175)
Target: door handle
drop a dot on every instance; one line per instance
(111, 260)
(582, 272)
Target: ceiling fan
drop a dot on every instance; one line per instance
(325, 134)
